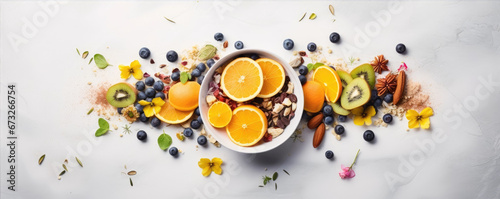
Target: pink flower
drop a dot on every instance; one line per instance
(346, 172)
(403, 67)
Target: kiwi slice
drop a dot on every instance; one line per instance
(366, 72)
(356, 94)
(345, 77)
(121, 95)
(338, 109)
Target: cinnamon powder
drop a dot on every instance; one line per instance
(414, 97)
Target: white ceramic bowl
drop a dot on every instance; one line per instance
(220, 133)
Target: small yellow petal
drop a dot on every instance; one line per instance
(357, 111)
(124, 68)
(148, 111)
(125, 74)
(137, 74)
(217, 169)
(144, 103)
(425, 123)
(206, 171)
(368, 121)
(217, 161)
(411, 114)
(158, 101)
(370, 111)
(204, 162)
(135, 65)
(413, 124)
(156, 109)
(427, 112)
(358, 120)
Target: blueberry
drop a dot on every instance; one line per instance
(400, 48)
(377, 102)
(200, 79)
(288, 44)
(238, 45)
(144, 53)
(339, 129)
(140, 86)
(119, 110)
(172, 56)
(387, 118)
(143, 118)
(195, 73)
(328, 110)
(328, 120)
(303, 70)
(173, 151)
(368, 135)
(202, 140)
(342, 118)
(158, 86)
(150, 92)
(388, 98)
(155, 122)
(141, 95)
(175, 76)
(141, 135)
(218, 36)
(199, 120)
(197, 111)
(329, 154)
(149, 81)
(201, 67)
(303, 79)
(195, 124)
(188, 132)
(160, 95)
(373, 96)
(149, 99)
(334, 37)
(311, 47)
(254, 56)
(139, 108)
(210, 63)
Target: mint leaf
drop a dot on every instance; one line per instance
(185, 76)
(100, 61)
(103, 124)
(164, 141)
(207, 52)
(275, 176)
(309, 67)
(101, 131)
(312, 67)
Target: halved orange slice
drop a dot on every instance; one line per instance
(242, 79)
(330, 80)
(248, 125)
(170, 115)
(219, 114)
(274, 77)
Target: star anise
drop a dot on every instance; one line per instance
(380, 64)
(387, 84)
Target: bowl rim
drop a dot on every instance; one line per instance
(261, 147)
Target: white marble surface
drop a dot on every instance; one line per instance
(453, 49)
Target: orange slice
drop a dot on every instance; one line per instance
(274, 77)
(170, 115)
(330, 81)
(219, 114)
(242, 79)
(184, 97)
(248, 125)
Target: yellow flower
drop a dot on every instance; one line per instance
(150, 108)
(422, 119)
(134, 69)
(363, 116)
(209, 166)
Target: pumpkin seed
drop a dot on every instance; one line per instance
(85, 54)
(62, 173)
(79, 162)
(169, 20)
(65, 168)
(303, 16)
(131, 183)
(40, 160)
(131, 173)
(332, 10)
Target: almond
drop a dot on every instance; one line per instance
(315, 121)
(318, 135)
(398, 94)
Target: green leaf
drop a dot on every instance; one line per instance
(100, 61)
(275, 176)
(78, 51)
(101, 131)
(164, 141)
(185, 76)
(207, 52)
(85, 54)
(103, 124)
(312, 67)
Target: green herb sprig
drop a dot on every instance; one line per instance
(103, 127)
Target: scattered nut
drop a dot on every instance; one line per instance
(275, 132)
(211, 99)
(290, 88)
(294, 106)
(287, 102)
(277, 108)
(287, 111)
(296, 62)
